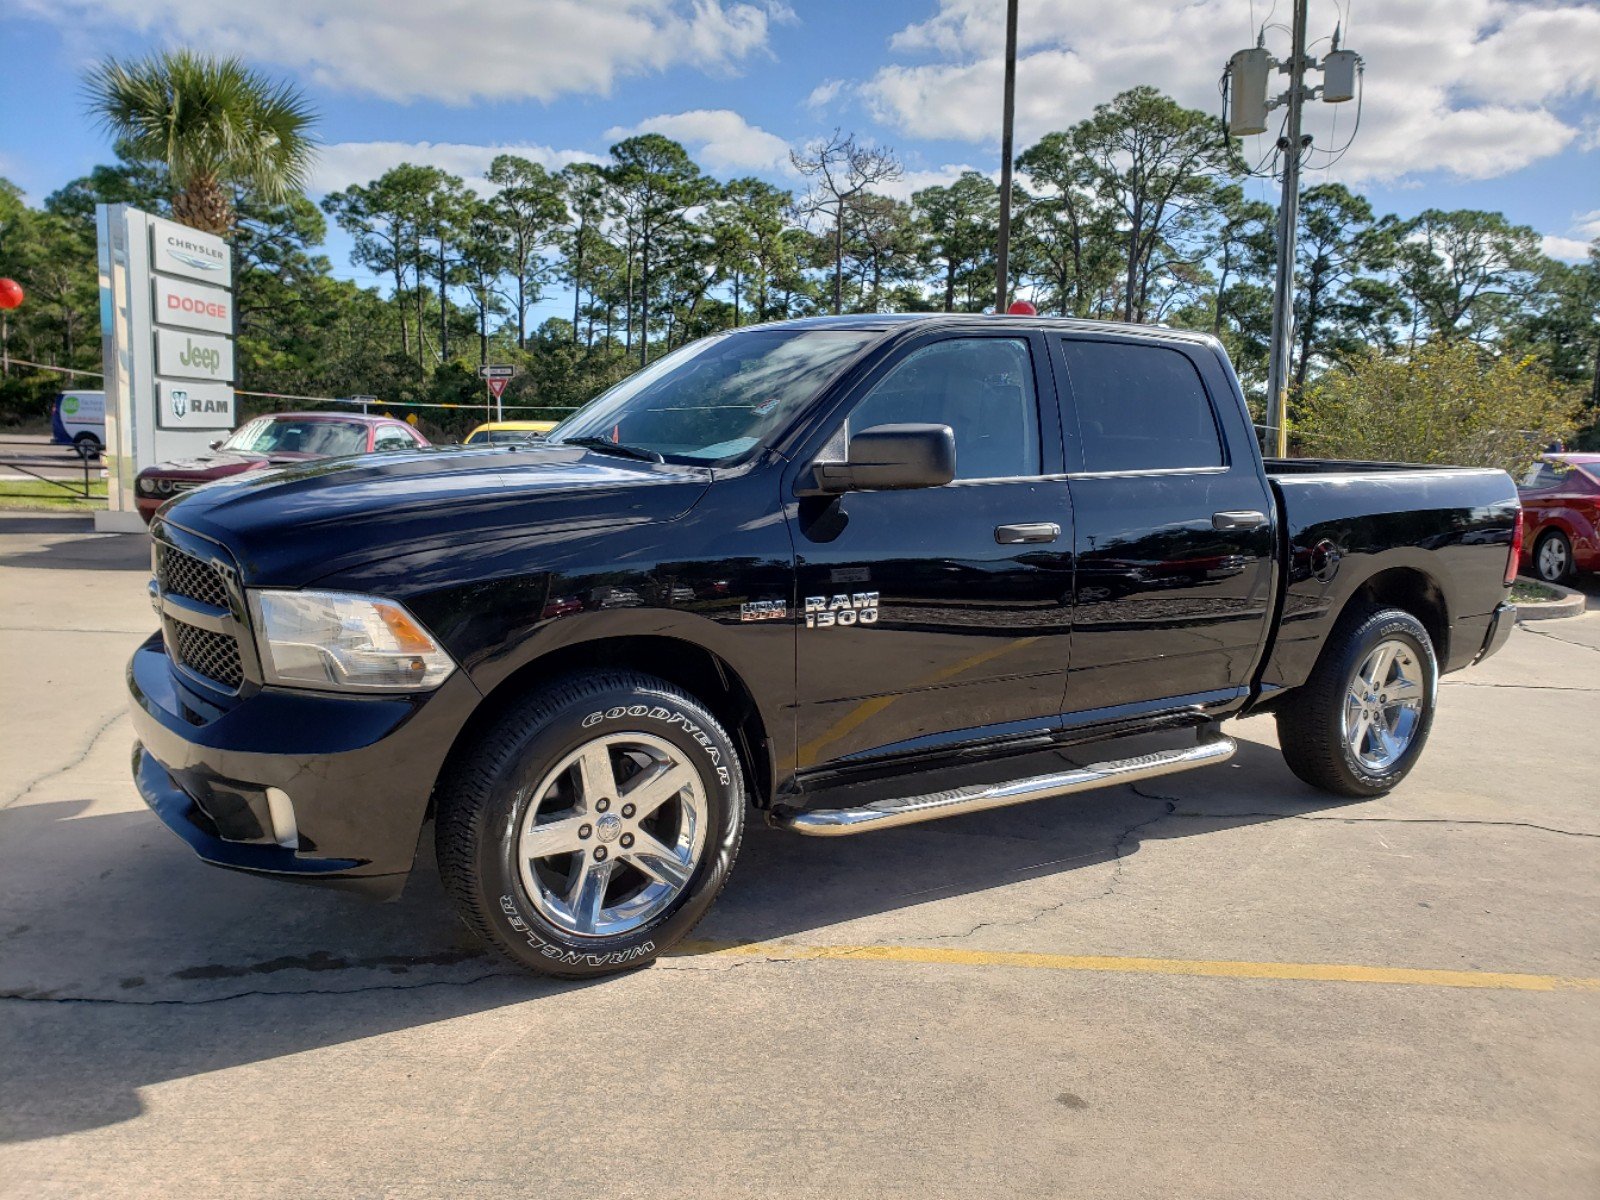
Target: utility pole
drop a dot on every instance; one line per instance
(1246, 82)
(1288, 219)
(1008, 117)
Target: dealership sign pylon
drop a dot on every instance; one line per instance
(167, 322)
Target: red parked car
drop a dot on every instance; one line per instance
(1561, 506)
(273, 441)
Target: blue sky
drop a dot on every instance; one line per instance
(1469, 103)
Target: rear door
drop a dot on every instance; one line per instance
(1173, 526)
(939, 615)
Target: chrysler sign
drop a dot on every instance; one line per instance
(192, 305)
(178, 250)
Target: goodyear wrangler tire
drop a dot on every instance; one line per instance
(591, 827)
(1357, 726)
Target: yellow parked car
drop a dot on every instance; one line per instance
(508, 433)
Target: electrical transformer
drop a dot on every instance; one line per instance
(1247, 108)
(1339, 76)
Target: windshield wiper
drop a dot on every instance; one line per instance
(606, 446)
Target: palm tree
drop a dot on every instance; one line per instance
(214, 122)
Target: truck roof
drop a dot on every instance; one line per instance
(893, 321)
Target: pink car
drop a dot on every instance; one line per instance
(273, 441)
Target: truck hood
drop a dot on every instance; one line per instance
(289, 526)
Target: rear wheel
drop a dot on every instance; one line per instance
(87, 446)
(1552, 557)
(1357, 726)
(593, 825)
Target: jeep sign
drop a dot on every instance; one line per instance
(181, 404)
(192, 306)
(193, 355)
(178, 250)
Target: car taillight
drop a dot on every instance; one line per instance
(1514, 559)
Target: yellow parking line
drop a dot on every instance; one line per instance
(1219, 969)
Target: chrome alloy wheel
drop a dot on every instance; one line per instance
(612, 835)
(1383, 705)
(1554, 559)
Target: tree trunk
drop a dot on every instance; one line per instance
(444, 306)
(204, 205)
(644, 299)
(838, 261)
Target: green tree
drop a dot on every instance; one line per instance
(1157, 165)
(583, 190)
(1464, 270)
(881, 244)
(656, 183)
(385, 218)
(1344, 302)
(213, 123)
(961, 222)
(840, 169)
(1066, 235)
(529, 207)
(1446, 402)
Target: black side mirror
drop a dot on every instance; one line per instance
(892, 458)
(216, 443)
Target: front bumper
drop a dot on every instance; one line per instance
(358, 772)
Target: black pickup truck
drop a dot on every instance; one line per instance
(852, 572)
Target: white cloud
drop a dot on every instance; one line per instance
(720, 139)
(824, 94)
(1565, 248)
(911, 182)
(1573, 246)
(454, 52)
(1468, 87)
(344, 163)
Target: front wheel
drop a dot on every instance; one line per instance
(1552, 557)
(593, 825)
(1357, 726)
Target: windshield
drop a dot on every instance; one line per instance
(716, 399)
(322, 438)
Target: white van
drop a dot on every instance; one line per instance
(78, 419)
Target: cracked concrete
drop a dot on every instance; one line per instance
(151, 1003)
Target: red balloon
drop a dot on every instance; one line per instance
(1022, 308)
(10, 293)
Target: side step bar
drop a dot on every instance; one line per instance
(908, 810)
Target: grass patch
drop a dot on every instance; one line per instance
(1526, 591)
(35, 495)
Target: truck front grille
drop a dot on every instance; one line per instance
(184, 574)
(214, 655)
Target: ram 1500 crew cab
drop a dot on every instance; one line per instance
(851, 572)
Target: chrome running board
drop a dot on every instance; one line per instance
(908, 810)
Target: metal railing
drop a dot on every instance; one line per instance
(8, 462)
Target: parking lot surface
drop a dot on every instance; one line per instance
(1216, 984)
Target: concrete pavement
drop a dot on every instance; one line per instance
(168, 1029)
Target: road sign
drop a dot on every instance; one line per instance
(497, 385)
(497, 372)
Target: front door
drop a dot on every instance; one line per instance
(943, 614)
(1173, 527)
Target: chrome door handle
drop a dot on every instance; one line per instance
(1247, 519)
(1011, 535)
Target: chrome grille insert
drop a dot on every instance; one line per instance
(214, 655)
(186, 575)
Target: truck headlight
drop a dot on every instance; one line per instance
(147, 485)
(341, 642)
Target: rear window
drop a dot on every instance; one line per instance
(1140, 408)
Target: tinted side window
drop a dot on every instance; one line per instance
(981, 387)
(1140, 408)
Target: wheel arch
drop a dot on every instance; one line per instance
(1411, 590)
(701, 672)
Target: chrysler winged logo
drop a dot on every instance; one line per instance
(180, 403)
(203, 264)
